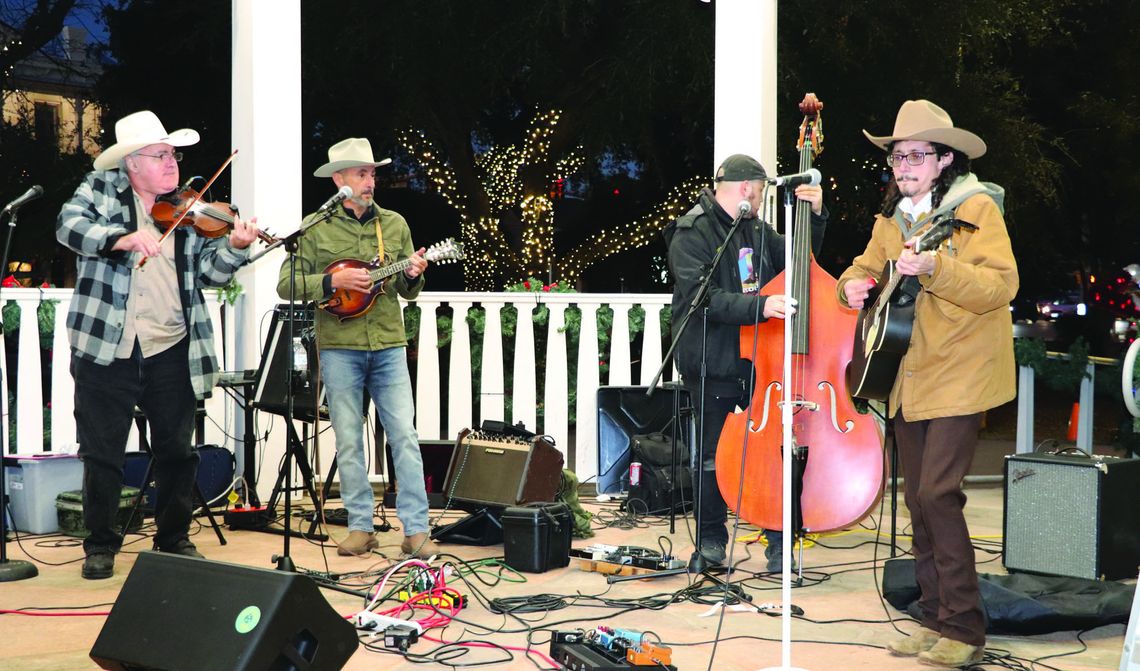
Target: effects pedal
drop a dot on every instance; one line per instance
(250, 517)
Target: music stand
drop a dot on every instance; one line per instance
(275, 387)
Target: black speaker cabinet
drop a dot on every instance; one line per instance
(436, 456)
(495, 470)
(1071, 515)
(624, 412)
(177, 612)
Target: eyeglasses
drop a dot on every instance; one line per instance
(163, 157)
(913, 158)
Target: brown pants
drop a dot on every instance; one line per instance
(936, 455)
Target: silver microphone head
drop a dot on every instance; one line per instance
(744, 207)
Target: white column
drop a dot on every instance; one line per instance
(266, 130)
(523, 386)
(62, 386)
(556, 411)
(651, 342)
(29, 389)
(745, 71)
(491, 405)
(459, 372)
(620, 372)
(586, 435)
(427, 372)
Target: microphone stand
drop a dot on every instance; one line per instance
(10, 569)
(292, 243)
(786, 418)
(697, 563)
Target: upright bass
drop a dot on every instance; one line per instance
(838, 450)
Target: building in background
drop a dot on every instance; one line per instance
(53, 91)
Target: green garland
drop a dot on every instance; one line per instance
(1060, 374)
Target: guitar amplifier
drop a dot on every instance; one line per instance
(496, 470)
(1071, 515)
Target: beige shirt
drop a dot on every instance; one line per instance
(154, 309)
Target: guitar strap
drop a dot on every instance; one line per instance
(379, 242)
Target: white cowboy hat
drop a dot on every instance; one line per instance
(135, 131)
(350, 153)
(923, 120)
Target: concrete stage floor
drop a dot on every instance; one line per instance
(845, 626)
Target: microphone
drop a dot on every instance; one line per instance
(344, 194)
(809, 177)
(744, 207)
(29, 195)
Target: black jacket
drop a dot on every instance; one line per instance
(692, 241)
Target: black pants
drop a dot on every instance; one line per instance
(713, 512)
(105, 400)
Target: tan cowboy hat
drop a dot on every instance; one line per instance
(923, 120)
(135, 131)
(350, 153)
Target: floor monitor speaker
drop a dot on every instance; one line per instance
(176, 613)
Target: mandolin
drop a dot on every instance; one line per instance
(345, 304)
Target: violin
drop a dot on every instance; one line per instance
(185, 207)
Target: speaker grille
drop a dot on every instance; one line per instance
(1051, 517)
(489, 469)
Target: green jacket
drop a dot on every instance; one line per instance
(343, 237)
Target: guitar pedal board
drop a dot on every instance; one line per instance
(608, 649)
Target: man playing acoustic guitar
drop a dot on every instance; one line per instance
(959, 362)
(368, 350)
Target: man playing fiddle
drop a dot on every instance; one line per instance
(959, 363)
(140, 336)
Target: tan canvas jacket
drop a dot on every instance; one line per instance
(960, 359)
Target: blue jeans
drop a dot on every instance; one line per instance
(384, 373)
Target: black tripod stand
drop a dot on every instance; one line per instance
(10, 569)
(144, 443)
(294, 445)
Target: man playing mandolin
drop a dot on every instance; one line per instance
(959, 362)
(368, 350)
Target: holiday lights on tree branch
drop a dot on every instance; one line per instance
(633, 235)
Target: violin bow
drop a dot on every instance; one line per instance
(193, 201)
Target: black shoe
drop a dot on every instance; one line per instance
(775, 554)
(713, 551)
(183, 547)
(99, 565)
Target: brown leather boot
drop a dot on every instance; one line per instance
(909, 646)
(419, 546)
(952, 654)
(358, 543)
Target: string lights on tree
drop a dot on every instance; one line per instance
(507, 176)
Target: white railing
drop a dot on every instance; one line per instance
(434, 420)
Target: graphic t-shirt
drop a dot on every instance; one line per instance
(749, 282)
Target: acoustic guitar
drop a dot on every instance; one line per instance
(882, 335)
(345, 304)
